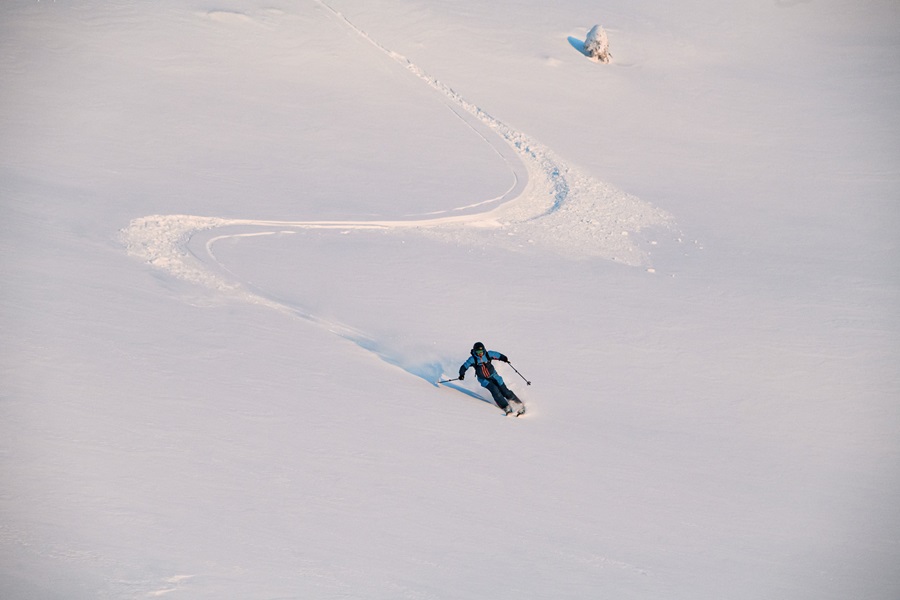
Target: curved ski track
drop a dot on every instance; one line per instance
(549, 206)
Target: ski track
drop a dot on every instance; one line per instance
(549, 206)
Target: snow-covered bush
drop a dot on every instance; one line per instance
(596, 45)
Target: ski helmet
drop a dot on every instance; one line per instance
(478, 346)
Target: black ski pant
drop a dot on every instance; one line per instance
(502, 394)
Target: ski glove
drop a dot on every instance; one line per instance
(462, 375)
(503, 358)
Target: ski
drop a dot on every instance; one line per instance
(521, 410)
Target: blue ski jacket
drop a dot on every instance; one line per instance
(484, 370)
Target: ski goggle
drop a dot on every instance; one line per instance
(479, 351)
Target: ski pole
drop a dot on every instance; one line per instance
(449, 380)
(519, 374)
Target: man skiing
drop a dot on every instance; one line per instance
(488, 377)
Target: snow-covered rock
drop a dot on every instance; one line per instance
(596, 45)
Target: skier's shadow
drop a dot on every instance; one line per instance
(430, 371)
(433, 371)
(467, 392)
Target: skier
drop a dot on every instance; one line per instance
(489, 378)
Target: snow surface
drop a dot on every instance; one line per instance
(242, 241)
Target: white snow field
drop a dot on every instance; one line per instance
(241, 241)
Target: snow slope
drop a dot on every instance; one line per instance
(241, 241)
